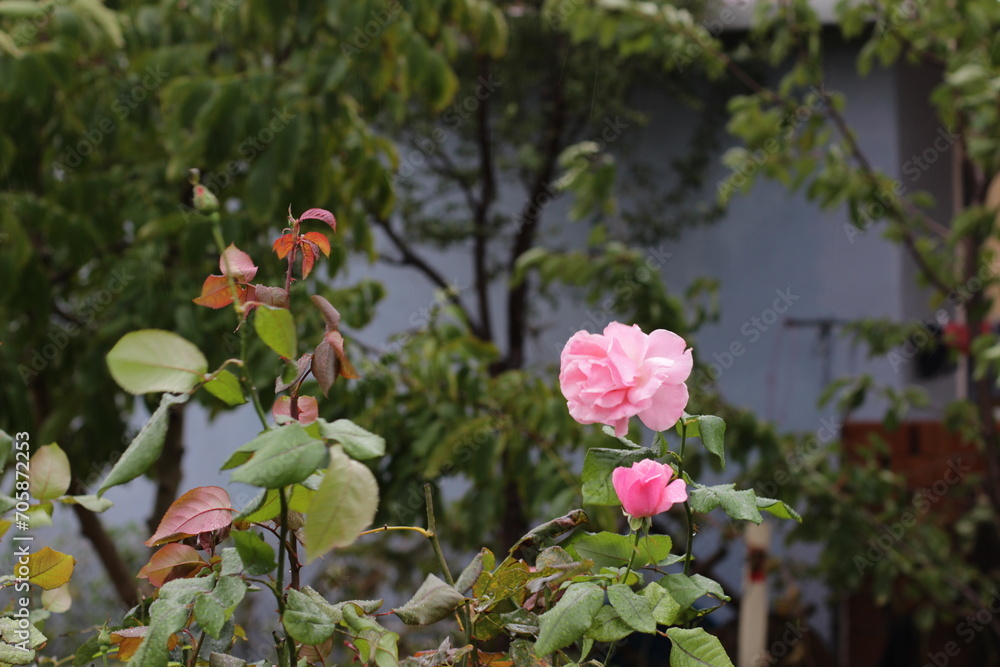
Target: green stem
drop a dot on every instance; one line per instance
(465, 611)
(688, 556)
(248, 388)
(290, 647)
(631, 558)
(431, 528)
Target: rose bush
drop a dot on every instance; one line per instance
(611, 377)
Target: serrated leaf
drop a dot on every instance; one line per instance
(636, 611)
(778, 508)
(320, 214)
(257, 555)
(359, 443)
(685, 590)
(343, 506)
(666, 610)
(153, 360)
(171, 562)
(276, 328)
(696, 648)
(288, 456)
(740, 505)
(615, 551)
(305, 620)
(226, 387)
(570, 618)
(50, 473)
(201, 510)
(608, 626)
(470, 575)
(145, 448)
(712, 431)
(49, 568)
(434, 600)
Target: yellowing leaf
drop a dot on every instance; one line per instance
(49, 568)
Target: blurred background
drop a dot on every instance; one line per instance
(806, 191)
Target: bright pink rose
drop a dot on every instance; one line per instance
(644, 489)
(609, 378)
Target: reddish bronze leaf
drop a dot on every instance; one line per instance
(320, 214)
(174, 561)
(344, 367)
(129, 639)
(236, 263)
(309, 252)
(284, 245)
(276, 297)
(215, 292)
(320, 240)
(201, 510)
(330, 314)
(308, 409)
(304, 364)
(324, 366)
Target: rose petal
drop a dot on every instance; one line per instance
(667, 407)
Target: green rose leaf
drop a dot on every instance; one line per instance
(50, 473)
(570, 618)
(305, 619)
(154, 360)
(614, 551)
(256, 554)
(342, 507)
(226, 387)
(711, 430)
(287, 457)
(741, 505)
(696, 648)
(276, 328)
(608, 626)
(685, 590)
(434, 600)
(358, 443)
(636, 611)
(145, 448)
(778, 508)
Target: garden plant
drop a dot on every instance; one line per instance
(560, 595)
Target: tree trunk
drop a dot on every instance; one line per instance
(122, 577)
(169, 469)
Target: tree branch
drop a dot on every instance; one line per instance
(487, 195)
(530, 216)
(410, 258)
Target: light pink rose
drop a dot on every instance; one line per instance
(644, 489)
(609, 378)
